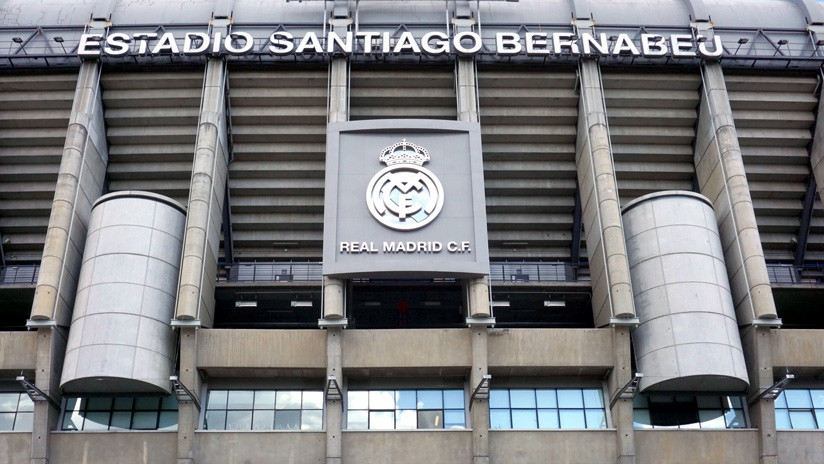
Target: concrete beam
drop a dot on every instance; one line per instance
(196, 299)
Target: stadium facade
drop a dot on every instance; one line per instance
(241, 231)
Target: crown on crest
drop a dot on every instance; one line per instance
(404, 152)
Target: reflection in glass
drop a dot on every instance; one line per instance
(406, 419)
(381, 399)
(430, 399)
(311, 420)
(215, 420)
(167, 420)
(596, 418)
(240, 399)
(798, 399)
(593, 398)
(782, 419)
(498, 398)
(453, 399)
(381, 420)
(312, 400)
(144, 420)
(735, 419)
(430, 419)
(547, 418)
(217, 399)
(357, 420)
(572, 419)
(454, 419)
(263, 420)
(288, 399)
(499, 419)
(264, 399)
(712, 419)
(357, 399)
(405, 399)
(570, 398)
(7, 420)
(524, 419)
(546, 398)
(287, 420)
(23, 422)
(641, 419)
(8, 402)
(238, 420)
(97, 421)
(121, 420)
(802, 420)
(521, 398)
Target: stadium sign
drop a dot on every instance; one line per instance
(432, 43)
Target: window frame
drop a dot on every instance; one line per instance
(204, 426)
(558, 408)
(158, 410)
(815, 412)
(694, 396)
(24, 400)
(396, 391)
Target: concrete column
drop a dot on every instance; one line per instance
(609, 268)
(334, 408)
(479, 409)
(817, 151)
(80, 182)
(622, 413)
(201, 244)
(757, 342)
(467, 90)
(721, 177)
(333, 289)
(188, 415)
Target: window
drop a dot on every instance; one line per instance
(264, 410)
(689, 412)
(120, 413)
(16, 411)
(800, 409)
(546, 408)
(405, 409)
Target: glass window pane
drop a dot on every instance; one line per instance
(712, 419)
(7, 421)
(313, 399)
(596, 419)
(146, 403)
(288, 399)
(72, 420)
(167, 421)
(357, 400)
(640, 401)
(381, 420)
(430, 419)
(311, 419)
(736, 402)
(498, 398)
(144, 420)
(287, 420)
(546, 398)
(217, 399)
(572, 419)
(641, 419)
(798, 399)
(8, 402)
(357, 420)
(121, 420)
(99, 404)
(25, 404)
(406, 399)
(215, 420)
(124, 403)
(430, 399)
(240, 399)
(818, 398)
(499, 419)
(735, 419)
(381, 399)
(781, 401)
(524, 419)
(688, 417)
(593, 398)
(454, 419)
(23, 422)
(801, 419)
(168, 403)
(406, 419)
(97, 421)
(570, 398)
(819, 417)
(709, 402)
(238, 420)
(547, 418)
(264, 419)
(265, 399)
(782, 419)
(453, 399)
(521, 398)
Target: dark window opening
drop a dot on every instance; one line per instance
(15, 308)
(800, 308)
(402, 305)
(529, 309)
(689, 412)
(250, 308)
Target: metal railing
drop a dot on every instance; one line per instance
(790, 274)
(19, 274)
(528, 272)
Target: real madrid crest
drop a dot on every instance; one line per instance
(404, 195)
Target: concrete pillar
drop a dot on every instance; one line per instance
(188, 415)
(479, 408)
(622, 413)
(609, 268)
(201, 244)
(757, 342)
(467, 90)
(80, 182)
(721, 177)
(334, 408)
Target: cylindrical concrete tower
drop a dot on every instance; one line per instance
(688, 337)
(120, 338)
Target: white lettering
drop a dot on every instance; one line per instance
(441, 45)
(334, 40)
(563, 41)
(508, 43)
(457, 43)
(406, 42)
(248, 44)
(681, 45)
(536, 39)
(710, 55)
(166, 44)
(624, 46)
(589, 42)
(143, 44)
(310, 40)
(117, 44)
(189, 47)
(89, 45)
(653, 45)
(368, 39)
(282, 43)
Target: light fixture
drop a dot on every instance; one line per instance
(37, 395)
(58, 39)
(783, 42)
(182, 393)
(628, 391)
(373, 304)
(743, 40)
(514, 244)
(432, 303)
(301, 303)
(17, 40)
(554, 304)
(246, 304)
(500, 304)
(775, 390)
